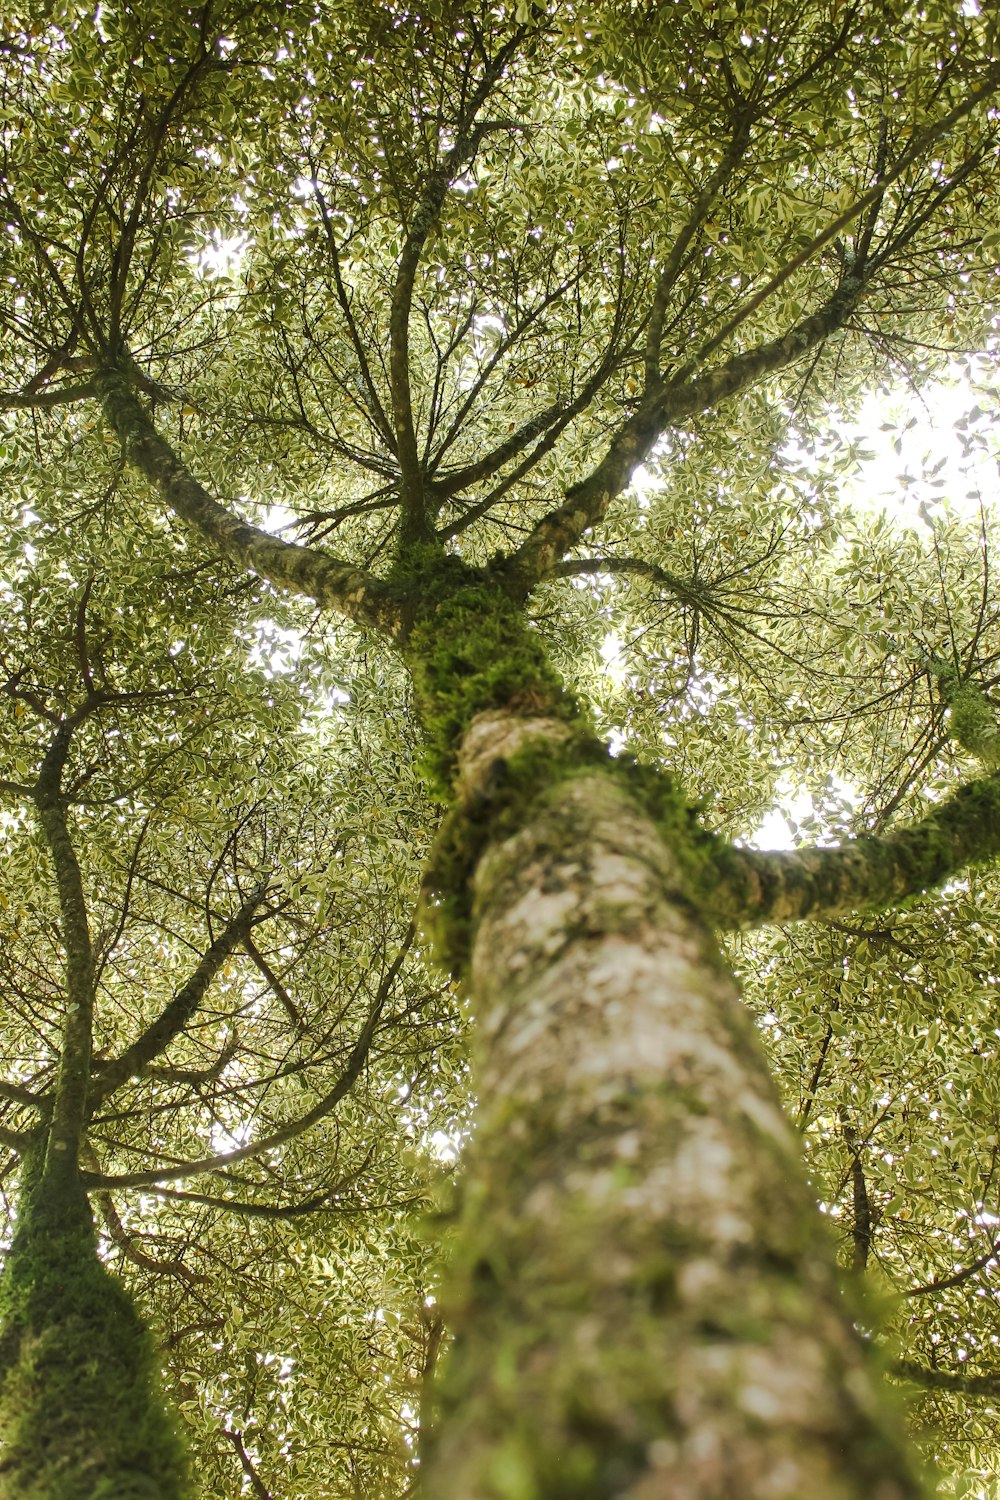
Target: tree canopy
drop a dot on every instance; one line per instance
(400, 404)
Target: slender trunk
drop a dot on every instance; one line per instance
(645, 1302)
(69, 1106)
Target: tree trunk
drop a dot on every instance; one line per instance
(645, 1302)
(81, 1413)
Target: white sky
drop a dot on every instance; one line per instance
(932, 455)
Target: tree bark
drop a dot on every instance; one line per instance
(645, 1301)
(750, 887)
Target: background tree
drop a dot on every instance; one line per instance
(243, 997)
(432, 288)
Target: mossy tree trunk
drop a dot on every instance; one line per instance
(645, 1302)
(81, 1413)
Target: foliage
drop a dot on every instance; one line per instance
(578, 308)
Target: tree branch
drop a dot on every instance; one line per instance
(454, 480)
(375, 407)
(668, 402)
(274, 983)
(176, 1015)
(817, 1074)
(195, 1076)
(868, 199)
(246, 1464)
(750, 887)
(423, 220)
(964, 1273)
(668, 276)
(947, 1380)
(862, 1232)
(544, 429)
(343, 1086)
(682, 589)
(15, 789)
(119, 1236)
(15, 1140)
(302, 570)
(587, 501)
(62, 395)
(18, 1094)
(244, 1209)
(69, 1105)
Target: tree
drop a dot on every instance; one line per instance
(432, 287)
(238, 1015)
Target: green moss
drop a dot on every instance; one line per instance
(973, 724)
(963, 831)
(81, 1414)
(971, 720)
(469, 649)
